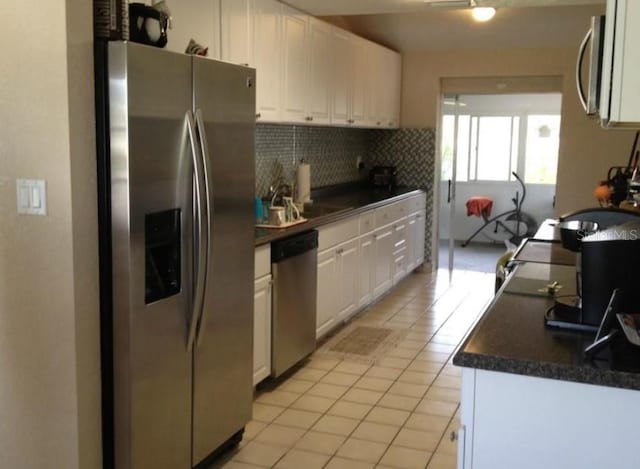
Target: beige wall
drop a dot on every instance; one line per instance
(49, 329)
(586, 151)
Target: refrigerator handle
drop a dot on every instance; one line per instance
(204, 152)
(200, 247)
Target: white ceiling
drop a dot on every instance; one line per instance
(410, 25)
(445, 29)
(371, 7)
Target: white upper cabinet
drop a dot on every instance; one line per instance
(236, 31)
(307, 65)
(295, 65)
(358, 79)
(198, 20)
(385, 73)
(320, 72)
(620, 93)
(267, 53)
(341, 44)
(350, 78)
(307, 70)
(251, 36)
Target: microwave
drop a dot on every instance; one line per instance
(612, 94)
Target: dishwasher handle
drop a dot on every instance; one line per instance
(295, 245)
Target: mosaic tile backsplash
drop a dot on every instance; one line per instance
(413, 153)
(332, 153)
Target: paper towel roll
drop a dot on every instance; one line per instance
(304, 183)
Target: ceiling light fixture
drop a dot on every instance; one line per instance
(483, 13)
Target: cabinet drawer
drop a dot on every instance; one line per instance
(399, 234)
(401, 209)
(384, 215)
(337, 233)
(417, 202)
(262, 261)
(367, 222)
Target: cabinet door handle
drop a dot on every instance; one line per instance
(390, 123)
(309, 118)
(258, 115)
(453, 436)
(378, 123)
(245, 65)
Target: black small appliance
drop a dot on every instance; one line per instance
(610, 260)
(383, 177)
(147, 25)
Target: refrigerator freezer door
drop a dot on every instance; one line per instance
(224, 103)
(151, 175)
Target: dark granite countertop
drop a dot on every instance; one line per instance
(511, 337)
(343, 204)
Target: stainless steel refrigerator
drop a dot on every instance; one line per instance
(177, 185)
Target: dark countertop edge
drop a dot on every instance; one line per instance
(330, 218)
(572, 373)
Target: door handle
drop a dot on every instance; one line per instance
(208, 192)
(581, 52)
(449, 191)
(200, 246)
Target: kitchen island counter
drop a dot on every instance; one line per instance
(343, 204)
(511, 337)
(530, 398)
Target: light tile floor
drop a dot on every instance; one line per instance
(397, 412)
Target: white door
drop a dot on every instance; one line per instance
(236, 32)
(341, 44)
(358, 77)
(347, 278)
(449, 157)
(320, 72)
(366, 262)
(267, 15)
(411, 242)
(420, 237)
(261, 329)
(198, 20)
(326, 309)
(295, 60)
(383, 278)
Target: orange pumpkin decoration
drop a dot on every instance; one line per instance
(602, 193)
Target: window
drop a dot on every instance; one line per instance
(541, 156)
(489, 147)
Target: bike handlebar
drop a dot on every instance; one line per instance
(524, 189)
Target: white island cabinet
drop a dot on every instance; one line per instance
(262, 314)
(526, 422)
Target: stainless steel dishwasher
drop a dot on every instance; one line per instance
(294, 263)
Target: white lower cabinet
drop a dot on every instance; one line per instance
(419, 238)
(337, 296)
(383, 258)
(357, 264)
(261, 329)
(262, 313)
(326, 295)
(516, 421)
(347, 278)
(367, 266)
(415, 240)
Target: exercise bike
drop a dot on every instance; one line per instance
(510, 226)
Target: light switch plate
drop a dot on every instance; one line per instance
(32, 196)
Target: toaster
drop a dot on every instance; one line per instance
(382, 177)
